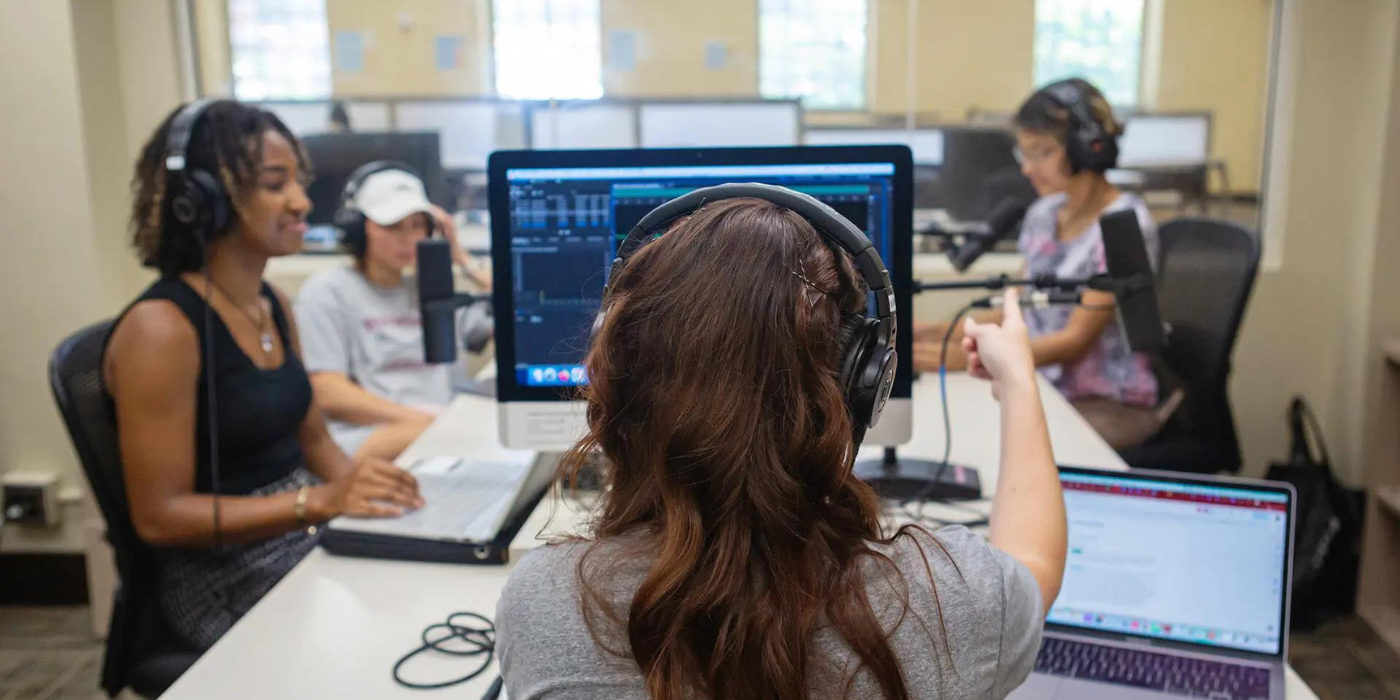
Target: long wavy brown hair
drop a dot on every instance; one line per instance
(714, 397)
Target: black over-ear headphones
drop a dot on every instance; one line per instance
(868, 364)
(195, 198)
(1088, 145)
(348, 217)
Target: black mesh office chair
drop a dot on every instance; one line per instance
(141, 653)
(1204, 280)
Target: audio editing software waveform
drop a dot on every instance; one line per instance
(560, 211)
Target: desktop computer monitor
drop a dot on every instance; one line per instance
(335, 156)
(978, 170)
(557, 216)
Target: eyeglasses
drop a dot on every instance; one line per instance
(1035, 155)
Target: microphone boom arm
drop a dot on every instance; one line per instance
(1000, 282)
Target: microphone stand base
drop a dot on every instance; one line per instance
(902, 479)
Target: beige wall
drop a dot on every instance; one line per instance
(128, 83)
(669, 40)
(211, 41)
(51, 267)
(1382, 437)
(970, 55)
(97, 78)
(1214, 57)
(99, 92)
(1311, 325)
(400, 41)
(148, 62)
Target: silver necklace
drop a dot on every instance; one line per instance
(260, 322)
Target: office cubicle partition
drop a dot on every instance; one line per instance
(926, 143)
(702, 123)
(471, 128)
(1159, 151)
(582, 124)
(305, 117)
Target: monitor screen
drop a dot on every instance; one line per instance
(566, 217)
(1181, 560)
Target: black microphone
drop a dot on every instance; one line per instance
(1004, 219)
(436, 301)
(1131, 280)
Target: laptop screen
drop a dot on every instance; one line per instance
(1185, 560)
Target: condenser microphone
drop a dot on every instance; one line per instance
(436, 301)
(1132, 281)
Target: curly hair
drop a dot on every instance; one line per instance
(226, 141)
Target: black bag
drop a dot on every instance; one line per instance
(1326, 528)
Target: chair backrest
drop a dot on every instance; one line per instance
(1204, 278)
(75, 375)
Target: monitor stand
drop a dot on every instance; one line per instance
(908, 479)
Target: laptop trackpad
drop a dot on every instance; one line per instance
(1041, 686)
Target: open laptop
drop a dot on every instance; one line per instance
(1175, 586)
(473, 507)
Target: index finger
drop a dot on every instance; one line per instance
(1011, 307)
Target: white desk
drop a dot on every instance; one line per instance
(335, 626)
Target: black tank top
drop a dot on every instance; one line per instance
(259, 411)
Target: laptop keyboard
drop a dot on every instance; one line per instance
(466, 505)
(453, 506)
(1176, 675)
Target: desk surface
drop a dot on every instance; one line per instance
(335, 626)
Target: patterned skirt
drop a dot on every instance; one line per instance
(204, 591)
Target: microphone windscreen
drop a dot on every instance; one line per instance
(1125, 252)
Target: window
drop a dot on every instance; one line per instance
(1098, 40)
(279, 49)
(547, 49)
(814, 50)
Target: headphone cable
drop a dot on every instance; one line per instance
(923, 494)
(478, 641)
(210, 366)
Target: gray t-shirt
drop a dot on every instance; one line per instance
(374, 336)
(990, 605)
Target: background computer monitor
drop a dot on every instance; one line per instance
(555, 221)
(978, 169)
(335, 156)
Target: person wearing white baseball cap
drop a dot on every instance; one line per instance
(362, 337)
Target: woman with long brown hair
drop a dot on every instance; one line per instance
(734, 554)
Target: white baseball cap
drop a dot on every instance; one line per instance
(390, 196)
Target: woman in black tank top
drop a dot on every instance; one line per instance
(224, 537)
